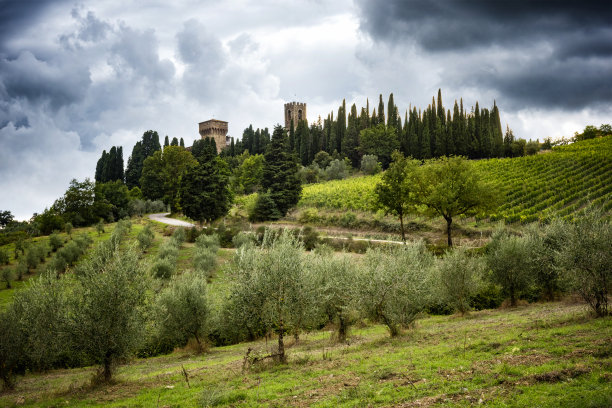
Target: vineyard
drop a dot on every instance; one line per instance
(540, 187)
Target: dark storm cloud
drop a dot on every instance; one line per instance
(15, 14)
(59, 82)
(439, 25)
(562, 49)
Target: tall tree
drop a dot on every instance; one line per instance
(280, 178)
(380, 141)
(351, 140)
(166, 141)
(381, 111)
(142, 149)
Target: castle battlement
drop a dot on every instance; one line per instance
(295, 111)
(217, 129)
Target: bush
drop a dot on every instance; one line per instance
(20, 270)
(586, 259)
(8, 275)
(179, 236)
(208, 241)
(4, 257)
(32, 258)
(168, 251)
(395, 286)
(337, 170)
(244, 238)
(58, 263)
(68, 228)
(370, 164)
(163, 268)
(205, 261)
(100, 227)
(55, 242)
(183, 310)
(459, 278)
(322, 159)
(510, 260)
(145, 238)
(192, 234)
(309, 237)
(489, 296)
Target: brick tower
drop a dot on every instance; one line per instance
(295, 111)
(217, 129)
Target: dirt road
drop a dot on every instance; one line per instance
(161, 217)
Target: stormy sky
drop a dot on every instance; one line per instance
(80, 77)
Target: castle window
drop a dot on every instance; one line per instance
(288, 115)
(300, 114)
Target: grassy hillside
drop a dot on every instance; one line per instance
(554, 184)
(546, 355)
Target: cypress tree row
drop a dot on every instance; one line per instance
(142, 149)
(110, 165)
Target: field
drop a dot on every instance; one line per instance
(546, 355)
(555, 184)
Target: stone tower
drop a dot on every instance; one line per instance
(217, 129)
(295, 111)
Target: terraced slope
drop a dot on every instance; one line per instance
(555, 184)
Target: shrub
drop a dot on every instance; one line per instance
(58, 263)
(183, 310)
(163, 268)
(489, 296)
(179, 236)
(205, 261)
(460, 276)
(145, 238)
(32, 258)
(244, 238)
(20, 270)
(336, 170)
(586, 259)
(370, 164)
(192, 234)
(109, 324)
(348, 219)
(509, 258)
(55, 241)
(309, 237)
(4, 257)
(394, 286)
(322, 159)
(208, 241)
(8, 275)
(100, 227)
(68, 228)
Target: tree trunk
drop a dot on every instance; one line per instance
(281, 344)
(107, 373)
(449, 222)
(341, 330)
(402, 227)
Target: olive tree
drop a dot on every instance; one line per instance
(276, 276)
(395, 285)
(334, 279)
(586, 260)
(183, 310)
(509, 259)
(109, 307)
(459, 278)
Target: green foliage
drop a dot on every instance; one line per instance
(204, 192)
(370, 164)
(280, 174)
(459, 277)
(247, 177)
(379, 141)
(77, 204)
(142, 149)
(112, 200)
(264, 209)
(586, 258)
(509, 259)
(395, 193)
(110, 297)
(334, 280)
(7, 276)
(145, 237)
(337, 170)
(110, 165)
(179, 236)
(4, 257)
(450, 187)
(68, 228)
(274, 296)
(55, 241)
(183, 310)
(162, 173)
(394, 286)
(100, 227)
(322, 159)
(163, 268)
(244, 238)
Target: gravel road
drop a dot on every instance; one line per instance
(161, 217)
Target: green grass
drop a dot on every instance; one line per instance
(547, 355)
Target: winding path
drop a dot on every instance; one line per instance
(161, 217)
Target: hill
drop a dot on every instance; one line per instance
(547, 355)
(555, 184)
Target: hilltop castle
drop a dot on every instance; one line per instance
(217, 129)
(295, 111)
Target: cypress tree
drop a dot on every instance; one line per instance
(374, 120)
(392, 112)
(381, 110)
(303, 136)
(424, 140)
(166, 141)
(498, 138)
(292, 144)
(182, 142)
(280, 178)
(174, 142)
(351, 141)
(341, 131)
(142, 149)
